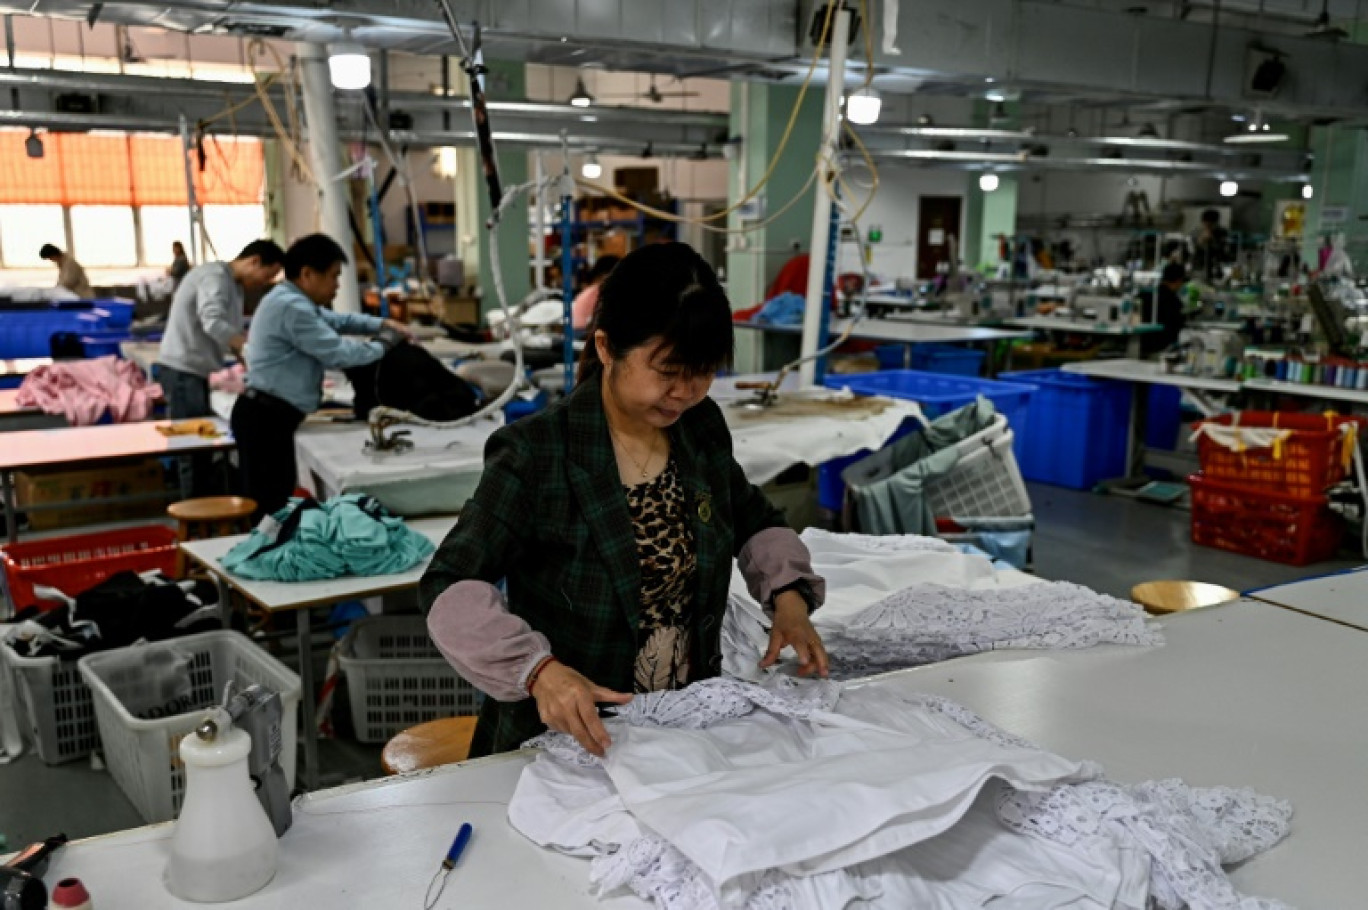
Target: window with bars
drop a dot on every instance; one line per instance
(116, 199)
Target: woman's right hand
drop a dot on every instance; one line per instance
(566, 703)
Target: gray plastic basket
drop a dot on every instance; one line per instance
(143, 755)
(56, 706)
(396, 678)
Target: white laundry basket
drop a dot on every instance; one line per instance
(986, 481)
(396, 677)
(143, 755)
(54, 705)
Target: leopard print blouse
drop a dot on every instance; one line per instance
(665, 546)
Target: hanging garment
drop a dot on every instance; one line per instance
(411, 379)
(351, 534)
(83, 391)
(809, 796)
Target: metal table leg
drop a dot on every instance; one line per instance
(1133, 346)
(306, 683)
(11, 523)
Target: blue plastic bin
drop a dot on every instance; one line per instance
(521, 407)
(1164, 417)
(26, 332)
(933, 358)
(937, 394)
(1077, 434)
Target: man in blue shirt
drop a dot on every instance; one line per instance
(294, 338)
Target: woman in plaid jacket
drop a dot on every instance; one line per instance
(614, 516)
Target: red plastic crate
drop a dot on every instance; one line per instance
(1312, 458)
(78, 563)
(1281, 528)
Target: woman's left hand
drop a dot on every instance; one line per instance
(792, 627)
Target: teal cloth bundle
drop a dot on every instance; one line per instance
(307, 540)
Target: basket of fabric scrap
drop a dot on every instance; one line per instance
(396, 678)
(40, 654)
(1295, 454)
(959, 468)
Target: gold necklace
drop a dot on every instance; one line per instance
(640, 466)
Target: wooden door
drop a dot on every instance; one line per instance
(938, 222)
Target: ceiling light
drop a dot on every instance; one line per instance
(862, 107)
(1307, 191)
(1257, 130)
(581, 97)
(591, 169)
(996, 95)
(925, 120)
(349, 66)
(1229, 188)
(988, 182)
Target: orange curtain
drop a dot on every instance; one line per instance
(81, 169)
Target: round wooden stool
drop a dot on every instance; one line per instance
(437, 742)
(1160, 597)
(209, 516)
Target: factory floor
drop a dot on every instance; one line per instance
(1106, 543)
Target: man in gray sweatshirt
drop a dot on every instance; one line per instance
(205, 325)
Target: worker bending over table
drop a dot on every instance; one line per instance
(206, 324)
(614, 516)
(70, 274)
(294, 338)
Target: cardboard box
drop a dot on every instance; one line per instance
(460, 310)
(91, 488)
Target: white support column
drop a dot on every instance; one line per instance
(326, 159)
(821, 208)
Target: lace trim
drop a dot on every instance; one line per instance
(926, 623)
(878, 543)
(656, 871)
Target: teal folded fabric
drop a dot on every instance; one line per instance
(307, 540)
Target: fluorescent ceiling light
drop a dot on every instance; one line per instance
(581, 97)
(349, 66)
(1229, 188)
(591, 169)
(445, 163)
(1307, 191)
(1256, 130)
(988, 182)
(862, 107)
(996, 95)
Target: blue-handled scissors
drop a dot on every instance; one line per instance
(453, 856)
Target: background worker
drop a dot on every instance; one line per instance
(295, 337)
(206, 325)
(70, 274)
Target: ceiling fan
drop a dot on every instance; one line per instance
(1323, 29)
(653, 94)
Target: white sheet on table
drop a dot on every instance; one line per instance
(766, 446)
(337, 454)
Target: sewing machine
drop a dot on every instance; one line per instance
(1210, 352)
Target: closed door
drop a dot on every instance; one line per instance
(938, 233)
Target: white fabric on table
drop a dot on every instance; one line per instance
(733, 795)
(766, 444)
(336, 456)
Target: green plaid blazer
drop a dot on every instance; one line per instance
(550, 516)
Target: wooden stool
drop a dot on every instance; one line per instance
(437, 742)
(1160, 597)
(209, 516)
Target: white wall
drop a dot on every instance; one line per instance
(895, 208)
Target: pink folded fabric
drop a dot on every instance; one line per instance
(84, 390)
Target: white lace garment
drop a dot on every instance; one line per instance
(902, 600)
(805, 795)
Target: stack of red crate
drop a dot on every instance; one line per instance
(1269, 500)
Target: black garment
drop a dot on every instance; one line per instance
(411, 379)
(187, 396)
(264, 427)
(1169, 314)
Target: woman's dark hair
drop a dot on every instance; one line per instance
(665, 291)
(317, 251)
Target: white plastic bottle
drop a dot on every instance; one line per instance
(224, 846)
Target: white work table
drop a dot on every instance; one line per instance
(436, 476)
(301, 597)
(1151, 372)
(1340, 598)
(899, 332)
(1242, 695)
(1306, 390)
(1132, 333)
(81, 445)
